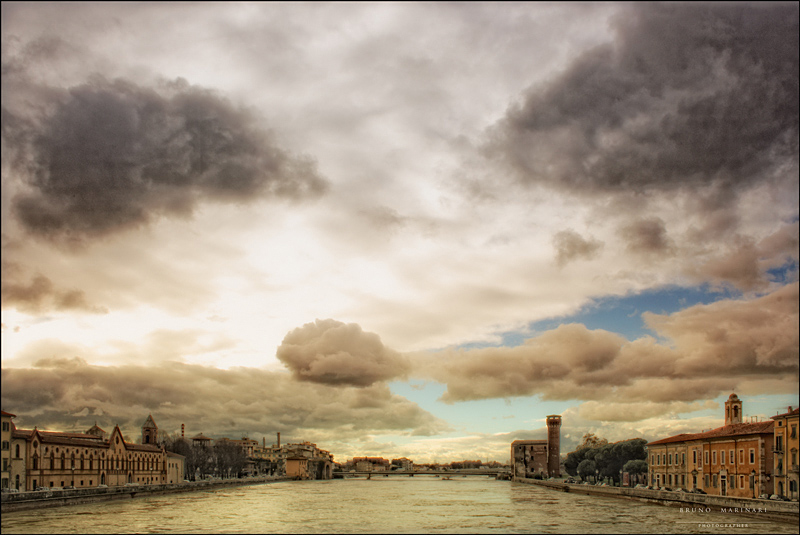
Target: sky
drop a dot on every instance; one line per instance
(399, 229)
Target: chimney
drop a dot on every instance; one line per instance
(790, 408)
(263, 442)
(279, 440)
(182, 429)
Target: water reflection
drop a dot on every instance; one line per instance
(381, 505)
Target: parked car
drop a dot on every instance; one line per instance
(42, 488)
(101, 486)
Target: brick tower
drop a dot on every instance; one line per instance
(554, 445)
(733, 410)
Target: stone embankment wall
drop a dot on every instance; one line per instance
(20, 501)
(768, 509)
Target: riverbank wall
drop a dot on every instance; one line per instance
(688, 503)
(22, 501)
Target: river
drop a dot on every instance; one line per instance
(422, 504)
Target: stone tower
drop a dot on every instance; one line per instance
(149, 431)
(554, 445)
(733, 410)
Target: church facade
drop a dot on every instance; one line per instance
(49, 460)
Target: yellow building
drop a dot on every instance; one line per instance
(6, 448)
(733, 460)
(48, 459)
(785, 450)
(297, 467)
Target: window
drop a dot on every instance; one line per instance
(794, 431)
(5, 426)
(741, 482)
(669, 459)
(714, 480)
(16, 451)
(706, 480)
(694, 456)
(741, 456)
(714, 458)
(752, 456)
(6, 445)
(706, 457)
(722, 457)
(732, 456)
(683, 458)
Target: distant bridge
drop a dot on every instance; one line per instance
(451, 473)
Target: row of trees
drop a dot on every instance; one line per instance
(224, 459)
(595, 457)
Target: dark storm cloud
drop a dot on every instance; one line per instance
(686, 95)
(206, 399)
(572, 246)
(39, 293)
(109, 155)
(646, 236)
(335, 353)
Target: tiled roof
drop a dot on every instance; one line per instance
(755, 428)
(142, 447)
(790, 413)
(8, 414)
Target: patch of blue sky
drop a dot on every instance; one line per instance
(621, 315)
(488, 415)
(784, 274)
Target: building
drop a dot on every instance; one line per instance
(56, 460)
(785, 451)
(403, 463)
(538, 458)
(6, 448)
(303, 460)
(733, 460)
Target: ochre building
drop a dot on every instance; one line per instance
(785, 450)
(47, 459)
(733, 460)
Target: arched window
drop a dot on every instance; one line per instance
(16, 452)
(81, 462)
(63, 461)
(72, 461)
(52, 461)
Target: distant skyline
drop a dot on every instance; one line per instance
(399, 229)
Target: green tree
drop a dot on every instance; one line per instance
(586, 469)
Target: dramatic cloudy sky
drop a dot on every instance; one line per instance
(399, 229)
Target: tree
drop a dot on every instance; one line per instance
(590, 440)
(586, 469)
(635, 467)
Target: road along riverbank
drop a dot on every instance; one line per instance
(689, 503)
(21, 501)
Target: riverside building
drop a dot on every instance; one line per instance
(49, 459)
(733, 460)
(538, 458)
(785, 450)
